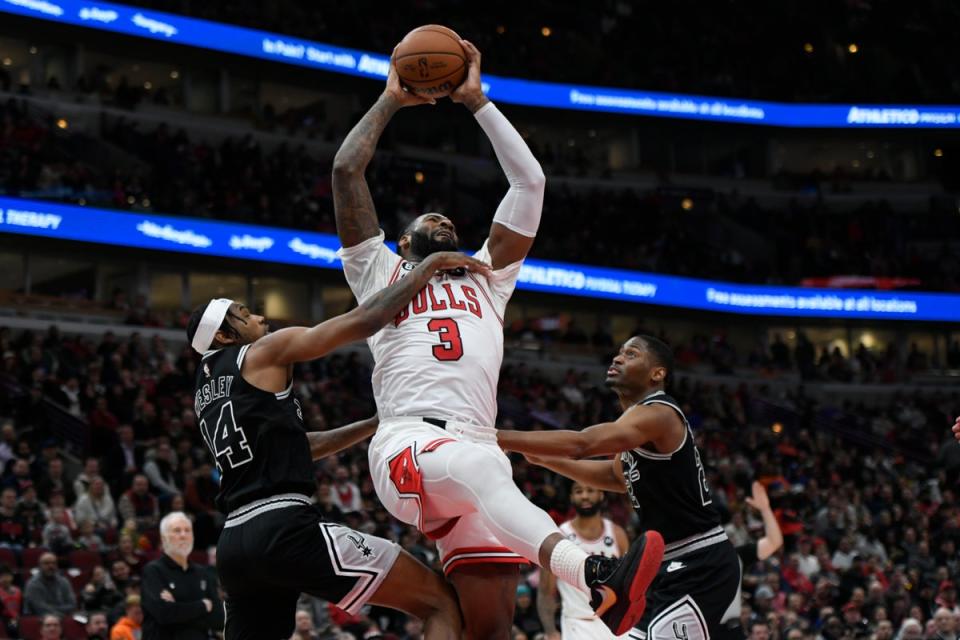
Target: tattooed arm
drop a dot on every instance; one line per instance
(352, 203)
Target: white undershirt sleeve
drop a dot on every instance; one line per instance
(520, 209)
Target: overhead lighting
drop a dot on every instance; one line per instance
(853, 48)
(686, 204)
(62, 123)
(174, 74)
(776, 427)
(938, 152)
(7, 62)
(33, 50)
(148, 85)
(546, 31)
(418, 177)
(501, 29)
(808, 47)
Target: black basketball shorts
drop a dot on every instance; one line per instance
(271, 550)
(696, 594)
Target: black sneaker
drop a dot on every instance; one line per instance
(618, 588)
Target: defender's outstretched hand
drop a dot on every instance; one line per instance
(760, 500)
(470, 92)
(396, 91)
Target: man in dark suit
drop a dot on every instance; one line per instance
(125, 459)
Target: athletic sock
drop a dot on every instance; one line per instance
(567, 563)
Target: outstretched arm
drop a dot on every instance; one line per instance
(606, 475)
(772, 536)
(518, 216)
(302, 344)
(352, 203)
(325, 443)
(633, 429)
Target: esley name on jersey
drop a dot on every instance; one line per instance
(441, 355)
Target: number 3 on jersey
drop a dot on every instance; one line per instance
(227, 435)
(450, 347)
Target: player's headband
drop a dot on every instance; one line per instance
(210, 323)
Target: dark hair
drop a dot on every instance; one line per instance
(194, 323)
(661, 351)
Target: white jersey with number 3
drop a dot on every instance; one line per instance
(441, 355)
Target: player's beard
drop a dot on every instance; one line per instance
(422, 244)
(587, 511)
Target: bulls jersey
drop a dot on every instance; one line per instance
(256, 437)
(441, 355)
(669, 490)
(575, 602)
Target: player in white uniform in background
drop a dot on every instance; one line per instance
(595, 534)
(434, 460)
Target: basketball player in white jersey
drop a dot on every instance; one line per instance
(595, 534)
(434, 461)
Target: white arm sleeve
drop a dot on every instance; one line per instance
(520, 209)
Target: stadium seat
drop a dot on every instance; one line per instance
(30, 627)
(31, 557)
(9, 558)
(73, 630)
(85, 560)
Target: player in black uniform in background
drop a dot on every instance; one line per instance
(696, 594)
(275, 544)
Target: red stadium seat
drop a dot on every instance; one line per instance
(30, 627)
(85, 560)
(9, 558)
(31, 557)
(73, 630)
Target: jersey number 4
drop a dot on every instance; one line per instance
(228, 442)
(451, 346)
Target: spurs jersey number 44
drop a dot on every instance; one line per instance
(441, 355)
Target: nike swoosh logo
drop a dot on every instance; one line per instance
(609, 599)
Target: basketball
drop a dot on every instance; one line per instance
(430, 61)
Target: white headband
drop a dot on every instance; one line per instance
(210, 323)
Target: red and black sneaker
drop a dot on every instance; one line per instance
(618, 588)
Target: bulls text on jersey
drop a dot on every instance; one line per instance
(442, 298)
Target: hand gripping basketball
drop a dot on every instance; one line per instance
(470, 93)
(396, 90)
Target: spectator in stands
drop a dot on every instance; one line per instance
(139, 505)
(91, 470)
(48, 591)
(161, 471)
(19, 476)
(8, 443)
(125, 458)
(55, 481)
(56, 533)
(11, 600)
(303, 627)
(911, 629)
(97, 627)
(51, 628)
(31, 511)
(96, 506)
(120, 574)
(180, 598)
(88, 539)
(128, 627)
(100, 592)
(945, 625)
(758, 630)
(128, 552)
(13, 530)
(346, 493)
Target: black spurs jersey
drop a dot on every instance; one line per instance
(257, 437)
(669, 490)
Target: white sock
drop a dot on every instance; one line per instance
(567, 563)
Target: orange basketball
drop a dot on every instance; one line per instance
(430, 61)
